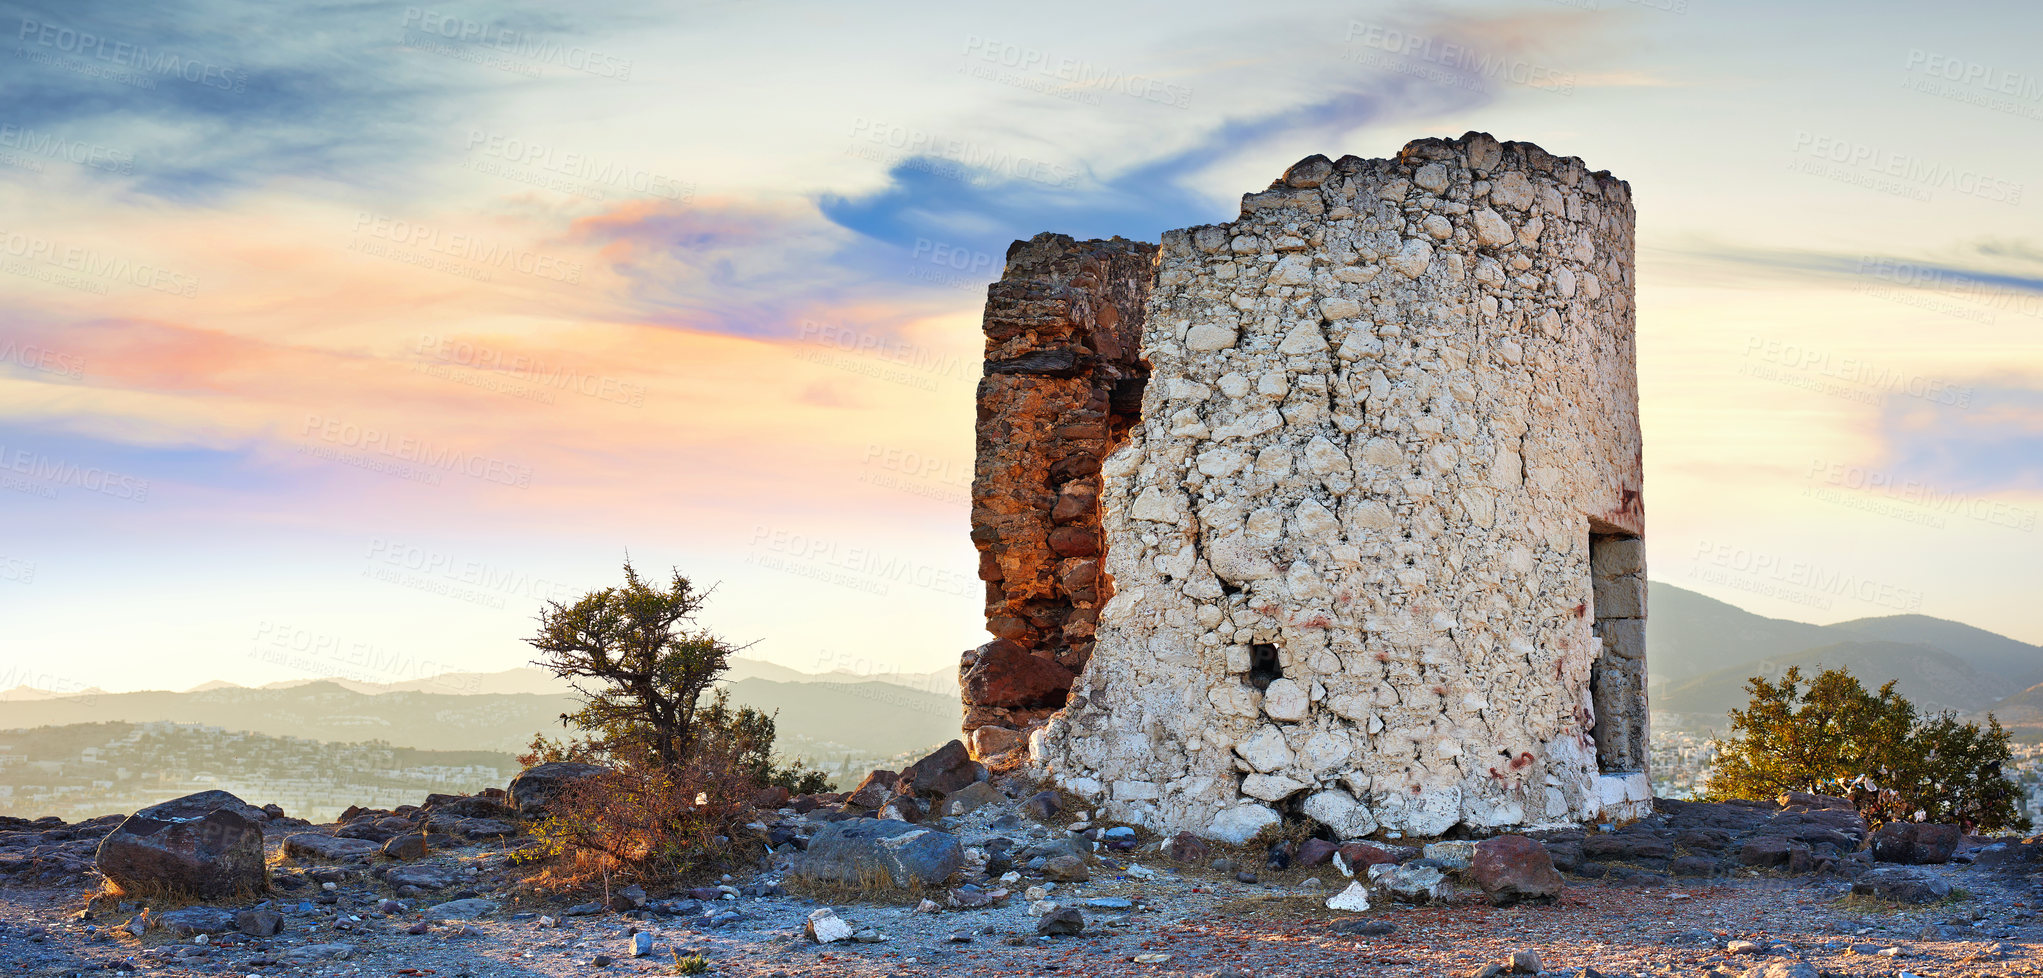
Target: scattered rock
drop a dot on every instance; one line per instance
(908, 855)
(1313, 852)
(1524, 963)
(1188, 848)
(874, 790)
(407, 846)
(1061, 922)
(1354, 899)
(465, 909)
(1412, 884)
(423, 877)
(190, 921)
(971, 798)
(259, 922)
(217, 854)
(641, 944)
(1066, 869)
(1784, 968)
(1043, 805)
(306, 953)
(536, 786)
(1916, 843)
(947, 769)
(1452, 855)
(313, 845)
(1901, 886)
(1513, 869)
(205, 803)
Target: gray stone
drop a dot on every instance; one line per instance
(218, 854)
(312, 845)
(259, 923)
(1066, 869)
(423, 877)
(467, 909)
(1901, 886)
(190, 921)
(1061, 922)
(856, 850)
(204, 803)
(971, 798)
(534, 787)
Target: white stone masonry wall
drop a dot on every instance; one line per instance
(1385, 406)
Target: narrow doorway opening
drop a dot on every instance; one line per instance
(1617, 680)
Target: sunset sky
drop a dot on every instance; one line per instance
(335, 337)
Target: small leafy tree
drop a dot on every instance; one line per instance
(684, 766)
(1834, 735)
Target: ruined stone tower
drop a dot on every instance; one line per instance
(1369, 553)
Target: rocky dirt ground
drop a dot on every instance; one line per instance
(1698, 890)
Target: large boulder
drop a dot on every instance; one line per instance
(312, 845)
(1513, 868)
(218, 854)
(858, 850)
(1005, 674)
(1916, 843)
(949, 768)
(1901, 886)
(534, 787)
(204, 803)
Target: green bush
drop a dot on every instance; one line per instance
(1833, 736)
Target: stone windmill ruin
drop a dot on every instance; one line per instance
(1332, 512)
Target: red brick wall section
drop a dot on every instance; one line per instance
(1062, 385)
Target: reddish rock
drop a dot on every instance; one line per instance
(1514, 869)
(770, 798)
(1075, 541)
(1189, 848)
(1312, 852)
(1005, 674)
(874, 790)
(1916, 843)
(1361, 854)
(949, 768)
(992, 741)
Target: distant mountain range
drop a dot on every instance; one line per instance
(819, 718)
(1700, 651)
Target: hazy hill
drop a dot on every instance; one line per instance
(876, 719)
(1695, 643)
(1929, 677)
